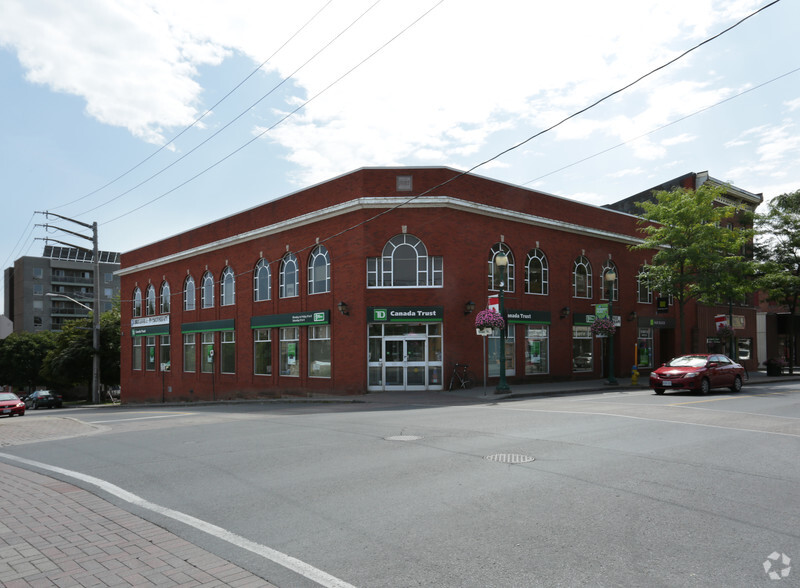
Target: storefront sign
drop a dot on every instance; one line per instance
(658, 323)
(150, 325)
(207, 326)
(404, 314)
(291, 319)
(528, 317)
(662, 304)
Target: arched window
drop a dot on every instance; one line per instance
(188, 293)
(290, 276)
(645, 293)
(610, 281)
(227, 288)
(150, 300)
(164, 298)
(207, 292)
(537, 279)
(582, 278)
(137, 302)
(496, 274)
(262, 281)
(405, 263)
(319, 270)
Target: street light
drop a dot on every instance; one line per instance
(95, 343)
(610, 277)
(501, 259)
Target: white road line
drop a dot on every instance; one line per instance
(287, 561)
(124, 420)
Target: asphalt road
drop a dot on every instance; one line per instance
(616, 489)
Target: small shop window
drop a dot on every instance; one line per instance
(136, 356)
(644, 348)
(262, 352)
(537, 345)
(582, 359)
(189, 352)
(207, 353)
(227, 352)
(319, 351)
(494, 352)
(150, 353)
(289, 348)
(164, 354)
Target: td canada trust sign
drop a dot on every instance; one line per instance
(404, 314)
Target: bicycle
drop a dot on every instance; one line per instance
(462, 377)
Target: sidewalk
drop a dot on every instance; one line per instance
(55, 534)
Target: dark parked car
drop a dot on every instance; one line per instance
(42, 398)
(10, 404)
(698, 371)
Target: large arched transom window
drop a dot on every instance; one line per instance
(496, 274)
(150, 300)
(537, 280)
(227, 288)
(207, 290)
(289, 276)
(609, 281)
(643, 286)
(582, 278)
(188, 293)
(405, 263)
(137, 302)
(319, 270)
(164, 298)
(262, 281)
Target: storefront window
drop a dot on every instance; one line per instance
(582, 359)
(290, 341)
(227, 352)
(136, 358)
(163, 355)
(644, 348)
(494, 352)
(189, 354)
(537, 344)
(262, 351)
(319, 351)
(744, 348)
(207, 353)
(150, 354)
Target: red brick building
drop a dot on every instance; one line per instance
(372, 280)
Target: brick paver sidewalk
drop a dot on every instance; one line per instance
(56, 534)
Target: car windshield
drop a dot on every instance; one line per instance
(688, 361)
(8, 396)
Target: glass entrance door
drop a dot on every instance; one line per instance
(405, 365)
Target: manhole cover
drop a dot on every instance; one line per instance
(510, 458)
(403, 438)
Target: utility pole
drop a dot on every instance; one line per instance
(96, 309)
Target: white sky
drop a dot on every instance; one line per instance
(91, 88)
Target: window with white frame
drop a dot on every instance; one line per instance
(645, 293)
(404, 263)
(207, 291)
(207, 352)
(150, 353)
(536, 273)
(150, 300)
(289, 348)
(319, 270)
(498, 273)
(319, 351)
(262, 352)
(582, 278)
(189, 352)
(227, 352)
(610, 281)
(289, 276)
(136, 354)
(137, 302)
(227, 288)
(164, 298)
(262, 281)
(188, 293)
(164, 357)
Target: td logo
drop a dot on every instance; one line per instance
(379, 314)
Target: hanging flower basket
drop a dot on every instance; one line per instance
(489, 319)
(603, 327)
(725, 332)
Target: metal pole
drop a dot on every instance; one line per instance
(611, 378)
(96, 320)
(502, 386)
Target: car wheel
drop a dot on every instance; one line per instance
(705, 386)
(659, 390)
(737, 384)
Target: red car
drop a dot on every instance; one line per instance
(10, 404)
(698, 371)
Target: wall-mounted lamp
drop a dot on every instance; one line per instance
(469, 307)
(343, 308)
(632, 316)
(565, 312)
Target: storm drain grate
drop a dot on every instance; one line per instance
(403, 438)
(510, 458)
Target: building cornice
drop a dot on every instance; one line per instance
(382, 203)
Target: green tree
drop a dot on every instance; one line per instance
(697, 257)
(22, 356)
(778, 251)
